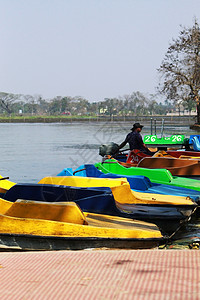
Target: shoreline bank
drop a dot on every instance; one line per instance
(181, 120)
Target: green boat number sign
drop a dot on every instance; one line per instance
(174, 139)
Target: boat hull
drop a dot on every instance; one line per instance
(18, 242)
(184, 153)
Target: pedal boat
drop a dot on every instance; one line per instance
(137, 197)
(31, 225)
(155, 208)
(137, 183)
(155, 175)
(182, 166)
(176, 166)
(180, 153)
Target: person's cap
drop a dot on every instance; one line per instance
(137, 125)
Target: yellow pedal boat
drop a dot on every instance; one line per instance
(121, 190)
(30, 225)
(5, 184)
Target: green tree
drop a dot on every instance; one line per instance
(55, 105)
(180, 68)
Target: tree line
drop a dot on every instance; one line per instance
(133, 104)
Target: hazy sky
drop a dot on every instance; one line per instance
(89, 48)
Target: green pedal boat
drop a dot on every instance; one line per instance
(162, 176)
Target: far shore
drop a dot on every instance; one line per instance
(169, 120)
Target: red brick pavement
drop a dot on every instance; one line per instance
(101, 274)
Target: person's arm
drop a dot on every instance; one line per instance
(140, 141)
(145, 146)
(125, 141)
(122, 144)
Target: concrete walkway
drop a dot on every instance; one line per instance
(101, 274)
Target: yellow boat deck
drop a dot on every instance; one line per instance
(5, 184)
(83, 181)
(117, 222)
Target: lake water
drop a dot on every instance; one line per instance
(30, 152)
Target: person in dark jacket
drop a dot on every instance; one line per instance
(135, 140)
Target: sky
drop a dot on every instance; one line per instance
(95, 49)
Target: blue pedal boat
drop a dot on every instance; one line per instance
(137, 183)
(100, 200)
